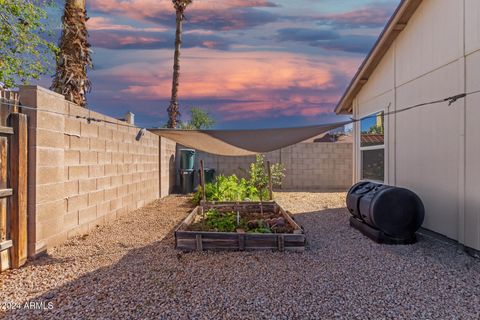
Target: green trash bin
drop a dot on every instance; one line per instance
(209, 174)
(187, 159)
(186, 181)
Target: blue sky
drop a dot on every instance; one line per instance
(250, 63)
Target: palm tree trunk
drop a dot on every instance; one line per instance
(173, 111)
(74, 57)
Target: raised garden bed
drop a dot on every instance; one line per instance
(272, 230)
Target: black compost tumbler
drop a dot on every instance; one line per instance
(386, 214)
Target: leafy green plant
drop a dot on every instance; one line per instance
(222, 222)
(260, 230)
(255, 188)
(259, 176)
(229, 188)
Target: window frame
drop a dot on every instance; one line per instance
(376, 147)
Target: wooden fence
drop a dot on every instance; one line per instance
(13, 182)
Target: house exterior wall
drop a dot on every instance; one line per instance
(432, 150)
(82, 174)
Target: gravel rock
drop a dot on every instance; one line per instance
(129, 270)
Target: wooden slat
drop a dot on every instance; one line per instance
(281, 243)
(6, 130)
(202, 180)
(5, 193)
(4, 226)
(18, 182)
(270, 184)
(7, 244)
(296, 227)
(199, 242)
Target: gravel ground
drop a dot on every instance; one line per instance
(129, 270)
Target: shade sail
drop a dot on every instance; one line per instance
(244, 142)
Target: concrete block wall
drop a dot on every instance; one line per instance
(167, 166)
(82, 174)
(320, 166)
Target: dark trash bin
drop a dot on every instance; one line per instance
(186, 181)
(209, 174)
(385, 213)
(187, 159)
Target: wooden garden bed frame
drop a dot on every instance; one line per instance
(204, 240)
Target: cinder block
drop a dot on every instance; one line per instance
(50, 210)
(79, 143)
(110, 194)
(88, 157)
(105, 133)
(72, 157)
(122, 191)
(47, 175)
(88, 130)
(115, 204)
(127, 179)
(97, 144)
(96, 171)
(48, 138)
(77, 202)
(49, 192)
(71, 188)
(111, 146)
(104, 158)
(50, 157)
(87, 215)
(72, 126)
(77, 172)
(49, 227)
(87, 185)
(103, 183)
(115, 180)
(95, 197)
(110, 169)
(50, 121)
(103, 209)
(70, 220)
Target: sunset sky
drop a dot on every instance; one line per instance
(250, 63)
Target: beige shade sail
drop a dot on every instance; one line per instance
(244, 142)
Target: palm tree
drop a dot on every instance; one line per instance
(180, 6)
(74, 56)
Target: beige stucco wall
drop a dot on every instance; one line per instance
(82, 174)
(433, 150)
(309, 166)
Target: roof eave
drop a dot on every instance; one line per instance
(394, 27)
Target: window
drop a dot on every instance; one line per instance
(372, 147)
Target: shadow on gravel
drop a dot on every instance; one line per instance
(342, 274)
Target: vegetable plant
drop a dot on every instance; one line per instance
(259, 176)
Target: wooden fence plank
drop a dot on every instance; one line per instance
(4, 227)
(18, 182)
(6, 130)
(5, 193)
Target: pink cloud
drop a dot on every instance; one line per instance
(152, 8)
(103, 23)
(246, 84)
